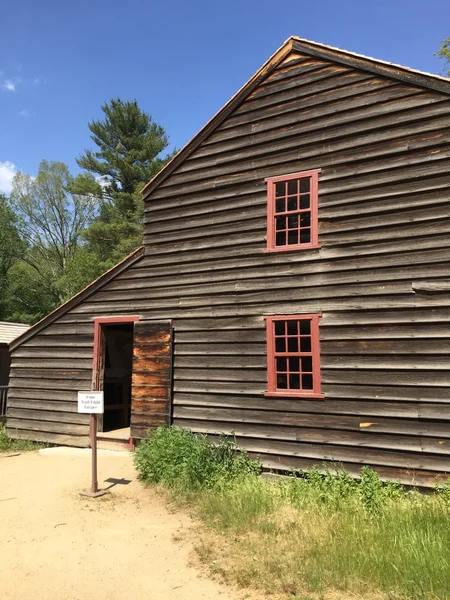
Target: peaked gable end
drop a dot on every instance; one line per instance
(297, 49)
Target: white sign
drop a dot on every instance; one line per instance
(90, 402)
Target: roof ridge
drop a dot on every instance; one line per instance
(371, 58)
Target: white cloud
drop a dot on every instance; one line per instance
(24, 113)
(7, 172)
(9, 85)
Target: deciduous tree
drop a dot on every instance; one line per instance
(11, 248)
(52, 210)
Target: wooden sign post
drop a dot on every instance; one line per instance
(93, 404)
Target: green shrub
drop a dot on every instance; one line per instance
(187, 462)
(371, 490)
(443, 492)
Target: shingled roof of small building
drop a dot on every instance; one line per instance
(10, 331)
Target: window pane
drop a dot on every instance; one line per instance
(280, 189)
(305, 327)
(292, 203)
(305, 184)
(307, 382)
(294, 365)
(305, 236)
(293, 221)
(282, 381)
(293, 187)
(280, 205)
(279, 327)
(280, 223)
(292, 327)
(307, 364)
(280, 345)
(281, 364)
(293, 344)
(280, 239)
(294, 382)
(292, 237)
(305, 344)
(305, 201)
(305, 219)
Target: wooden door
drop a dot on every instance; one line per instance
(151, 390)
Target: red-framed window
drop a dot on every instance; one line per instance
(292, 211)
(293, 356)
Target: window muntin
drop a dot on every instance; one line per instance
(293, 356)
(292, 215)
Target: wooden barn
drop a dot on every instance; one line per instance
(293, 286)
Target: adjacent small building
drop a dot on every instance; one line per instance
(294, 284)
(8, 332)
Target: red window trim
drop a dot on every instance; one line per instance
(98, 321)
(271, 357)
(271, 181)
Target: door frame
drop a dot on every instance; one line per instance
(98, 358)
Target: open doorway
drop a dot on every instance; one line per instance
(116, 376)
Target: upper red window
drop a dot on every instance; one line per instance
(292, 211)
(293, 357)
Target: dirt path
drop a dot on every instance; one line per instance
(56, 544)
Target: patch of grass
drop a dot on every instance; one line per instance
(310, 536)
(7, 444)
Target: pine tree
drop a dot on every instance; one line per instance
(129, 145)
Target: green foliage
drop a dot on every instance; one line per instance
(443, 492)
(444, 53)
(129, 145)
(371, 490)
(52, 210)
(27, 300)
(9, 445)
(11, 249)
(185, 462)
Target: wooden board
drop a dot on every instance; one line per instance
(151, 390)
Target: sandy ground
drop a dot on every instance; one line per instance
(127, 545)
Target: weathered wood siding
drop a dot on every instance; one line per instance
(383, 147)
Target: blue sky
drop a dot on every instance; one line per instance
(181, 60)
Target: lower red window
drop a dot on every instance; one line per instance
(293, 357)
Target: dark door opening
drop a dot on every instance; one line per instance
(117, 371)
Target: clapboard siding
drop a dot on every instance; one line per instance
(384, 192)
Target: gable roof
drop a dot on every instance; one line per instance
(9, 331)
(296, 44)
(85, 293)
